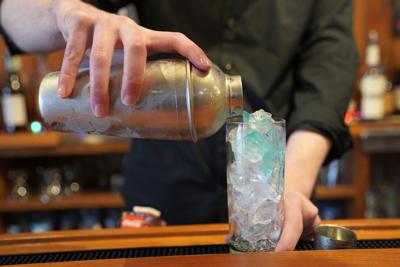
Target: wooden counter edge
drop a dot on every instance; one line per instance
(348, 258)
(184, 235)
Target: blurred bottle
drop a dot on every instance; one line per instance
(16, 223)
(50, 187)
(19, 184)
(69, 220)
(112, 218)
(13, 99)
(90, 219)
(41, 222)
(70, 182)
(330, 210)
(374, 82)
(371, 204)
(116, 182)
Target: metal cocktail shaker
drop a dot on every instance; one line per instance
(178, 102)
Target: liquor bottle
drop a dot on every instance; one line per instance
(13, 100)
(373, 83)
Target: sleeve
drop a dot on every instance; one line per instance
(326, 68)
(107, 5)
(11, 46)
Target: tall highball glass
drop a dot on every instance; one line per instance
(255, 170)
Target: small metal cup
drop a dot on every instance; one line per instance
(329, 236)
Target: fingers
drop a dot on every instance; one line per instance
(84, 26)
(74, 52)
(292, 227)
(310, 219)
(178, 42)
(100, 65)
(301, 217)
(135, 56)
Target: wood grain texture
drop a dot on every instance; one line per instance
(58, 144)
(335, 192)
(348, 258)
(79, 201)
(186, 235)
(75, 240)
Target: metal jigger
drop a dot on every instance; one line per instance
(330, 236)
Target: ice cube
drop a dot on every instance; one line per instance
(246, 116)
(265, 213)
(261, 122)
(255, 183)
(260, 115)
(256, 145)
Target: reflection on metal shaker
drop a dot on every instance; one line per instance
(178, 102)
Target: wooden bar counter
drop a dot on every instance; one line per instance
(82, 240)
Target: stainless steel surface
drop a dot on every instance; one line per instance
(331, 236)
(178, 102)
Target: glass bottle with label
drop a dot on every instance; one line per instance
(13, 98)
(373, 83)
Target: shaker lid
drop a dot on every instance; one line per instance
(235, 95)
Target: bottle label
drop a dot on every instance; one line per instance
(373, 85)
(373, 108)
(14, 110)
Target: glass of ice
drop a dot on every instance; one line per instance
(255, 170)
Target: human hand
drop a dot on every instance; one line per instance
(83, 26)
(301, 217)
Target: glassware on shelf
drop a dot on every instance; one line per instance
(331, 209)
(41, 222)
(69, 220)
(71, 184)
(112, 218)
(19, 184)
(90, 219)
(16, 223)
(50, 187)
(116, 182)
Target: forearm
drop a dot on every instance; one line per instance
(31, 25)
(305, 154)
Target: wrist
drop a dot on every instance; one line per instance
(295, 192)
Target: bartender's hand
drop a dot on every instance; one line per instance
(301, 217)
(305, 153)
(83, 26)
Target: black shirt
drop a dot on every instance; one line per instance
(298, 60)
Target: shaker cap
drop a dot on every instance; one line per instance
(235, 95)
